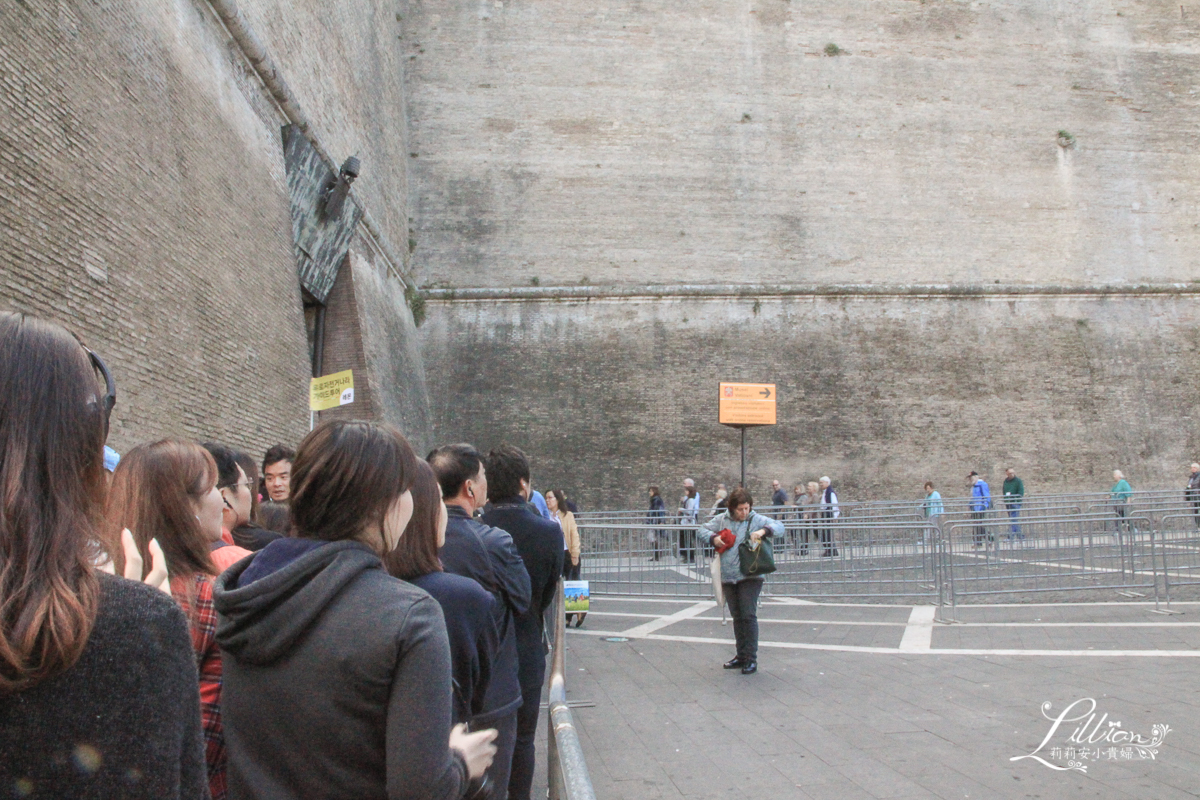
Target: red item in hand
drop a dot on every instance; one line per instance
(724, 540)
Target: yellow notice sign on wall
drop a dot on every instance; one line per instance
(331, 391)
(747, 404)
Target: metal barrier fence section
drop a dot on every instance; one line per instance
(1180, 550)
(1049, 550)
(565, 766)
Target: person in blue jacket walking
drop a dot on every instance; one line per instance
(981, 501)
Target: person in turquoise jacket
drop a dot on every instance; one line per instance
(1120, 494)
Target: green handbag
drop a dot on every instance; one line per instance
(756, 560)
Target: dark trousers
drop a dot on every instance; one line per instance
(570, 571)
(1122, 516)
(826, 533)
(506, 740)
(657, 543)
(520, 781)
(1196, 512)
(742, 599)
(980, 528)
(687, 545)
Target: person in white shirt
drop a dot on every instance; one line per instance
(829, 512)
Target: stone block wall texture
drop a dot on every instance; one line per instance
(653, 141)
(881, 394)
(143, 204)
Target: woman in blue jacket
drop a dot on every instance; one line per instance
(741, 591)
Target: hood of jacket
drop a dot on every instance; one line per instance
(261, 621)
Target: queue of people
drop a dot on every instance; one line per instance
(349, 622)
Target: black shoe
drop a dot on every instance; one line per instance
(733, 663)
(750, 667)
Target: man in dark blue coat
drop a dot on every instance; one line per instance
(540, 543)
(488, 556)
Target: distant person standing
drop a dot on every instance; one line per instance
(719, 500)
(809, 505)
(540, 543)
(1014, 495)
(829, 512)
(1120, 495)
(778, 498)
(538, 501)
(656, 518)
(557, 502)
(689, 513)
(932, 509)
(981, 501)
(1192, 493)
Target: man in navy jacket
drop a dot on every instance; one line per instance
(488, 556)
(540, 543)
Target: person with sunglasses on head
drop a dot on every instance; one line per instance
(98, 680)
(167, 491)
(236, 503)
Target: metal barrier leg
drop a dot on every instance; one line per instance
(1166, 580)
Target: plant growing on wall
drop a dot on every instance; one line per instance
(416, 304)
(1065, 139)
(832, 49)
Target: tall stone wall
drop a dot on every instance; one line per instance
(143, 201)
(653, 141)
(880, 392)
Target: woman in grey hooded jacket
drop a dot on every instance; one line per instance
(337, 675)
(741, 591)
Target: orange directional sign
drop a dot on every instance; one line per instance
(747, 404)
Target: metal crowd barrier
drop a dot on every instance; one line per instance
(1180, 548)
(565, 765)
(1140, 502)
(965, 556)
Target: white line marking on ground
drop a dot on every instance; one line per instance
(691, 573)
(845, 648)
(918, 634)
(641, 631)
(627, 599)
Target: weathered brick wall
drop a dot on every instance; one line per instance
(714, 141)
(142, 199)
(880, 393)
(369, 330)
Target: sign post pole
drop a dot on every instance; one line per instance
(746, 405)
(743, 483)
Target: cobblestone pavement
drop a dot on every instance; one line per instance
(864, 701)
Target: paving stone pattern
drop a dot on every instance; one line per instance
(670, 723)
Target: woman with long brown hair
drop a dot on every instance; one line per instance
(97, 681)
(468, 609)
(168, 491)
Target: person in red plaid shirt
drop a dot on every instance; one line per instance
(168, 491)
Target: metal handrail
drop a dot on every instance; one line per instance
(565, 765)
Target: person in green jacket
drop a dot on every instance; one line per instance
(1014, 495)
(1120, 494)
